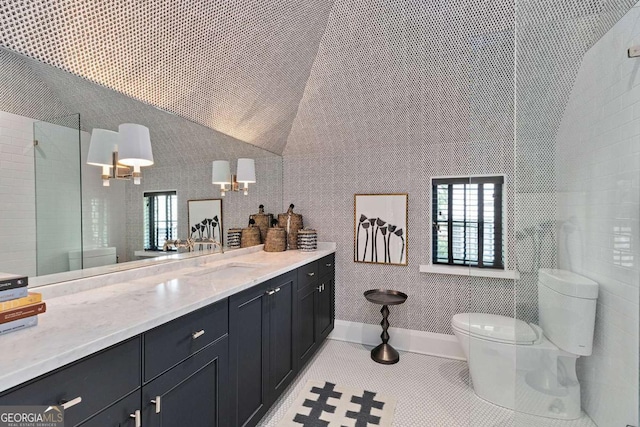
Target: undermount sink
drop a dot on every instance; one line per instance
(225, 271)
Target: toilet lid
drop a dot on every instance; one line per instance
(495, 328)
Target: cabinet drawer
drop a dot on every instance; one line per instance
(326, 265)
(99, 380)
(307, 274)
(117, 415)
(169, 344)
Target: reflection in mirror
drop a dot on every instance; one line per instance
(112, 218)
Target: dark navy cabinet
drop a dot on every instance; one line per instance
(88, 386)
(222, 365)
(193, 393)
(261, 336)
(315, 307)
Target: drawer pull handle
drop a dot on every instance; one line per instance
(66, 404)
(156, 402)
(136, 416)
(270, 292)
(277, 290)
(198, 334)
(311, 274)
(322, 286)
(319, 288)
(328, 265)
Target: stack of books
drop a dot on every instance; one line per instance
(19, 308)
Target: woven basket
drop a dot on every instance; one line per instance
(250, 237)
(234, 236)
(263, 221)
(276, 240)
(291, 222)
(307, 240)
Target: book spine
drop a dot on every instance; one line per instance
(22, 312)
(16, 325)
(15, 282)
(13, 294)
(31, 298)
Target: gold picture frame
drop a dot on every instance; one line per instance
(380, 228)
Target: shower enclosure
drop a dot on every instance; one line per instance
(577, 174)
(58, 194)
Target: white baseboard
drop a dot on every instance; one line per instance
(440, 345)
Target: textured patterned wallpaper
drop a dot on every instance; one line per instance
(23, 91)
(238, 66)
(401, 92)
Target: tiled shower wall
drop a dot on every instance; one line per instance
(598, 173)
(17, 190)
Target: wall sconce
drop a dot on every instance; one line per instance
(221, 174)
(119, 152)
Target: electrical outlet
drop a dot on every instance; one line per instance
(634, 52)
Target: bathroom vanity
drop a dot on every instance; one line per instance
(211, 341)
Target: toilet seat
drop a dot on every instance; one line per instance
(492, 327)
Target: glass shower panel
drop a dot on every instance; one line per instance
(490, 160)
(58, 195)
(577, 156)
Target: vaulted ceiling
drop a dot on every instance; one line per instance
(336, 74)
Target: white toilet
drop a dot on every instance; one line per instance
(531, 368)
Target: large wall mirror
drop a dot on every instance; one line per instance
(56, 214)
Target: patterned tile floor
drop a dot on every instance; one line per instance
(431, 391)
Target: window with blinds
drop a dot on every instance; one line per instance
(467, 221)
(160, 219)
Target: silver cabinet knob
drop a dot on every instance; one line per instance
(270, 292)
(328, 265)
(156, 402)
(319, 288)
(198, 334)
(136, 416)
(311, 274)
(277, 290)
(66, 404)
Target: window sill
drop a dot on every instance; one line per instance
(470, 271)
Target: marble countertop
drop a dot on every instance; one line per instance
(90, 315)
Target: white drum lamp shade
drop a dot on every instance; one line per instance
(101, 147)
(220, 172)
(246, 171)
(134, 148)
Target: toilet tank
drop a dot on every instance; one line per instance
(567, 309)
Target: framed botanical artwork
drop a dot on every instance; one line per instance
(205, 219)
(380, 227)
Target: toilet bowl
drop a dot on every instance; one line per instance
(531, 368)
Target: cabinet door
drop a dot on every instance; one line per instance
(117, 415)
(307, 330)
(193, 393)
(325, 307)
(93, 383)
(248, 352)
(281, 333)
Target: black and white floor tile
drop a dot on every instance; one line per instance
(324, 404)
(430, 391)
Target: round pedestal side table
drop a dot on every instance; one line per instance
(384, 353)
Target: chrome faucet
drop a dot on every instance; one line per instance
(190, 243)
